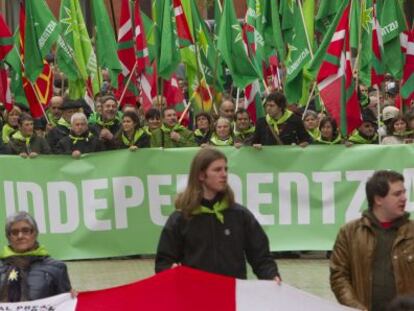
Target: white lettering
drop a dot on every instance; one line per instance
(156, 199)
(91, 204)
(255, 198)
(327, 180)
(354, 209)
(24, 189)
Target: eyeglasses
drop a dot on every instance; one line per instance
(24, 231)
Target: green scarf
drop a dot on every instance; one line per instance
(7, 132)
(19, 136)
(244, 133)
(8, 252)
(199, 133)
(105, 124)
(52, 119)
(63, 123)
(217, 210)
(315, 133)
(403, 134)
(275, 123)
(357, 138)
(175, 128)
(219, 142)
(336, 141)
(137, 135)
(75, 139)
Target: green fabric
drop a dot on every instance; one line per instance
(105, 43)
(230, 44)
(105, 124)
(137, 135)
(7, 132)
(75, 139)
(175, 128)
(315, 133)
(254, 18)
(336, 141)
(326, 14)
(217, 210)
(393, 23)
(64, 123)
(297, 57)
(403, 134)
(51, 118)
(275, 123)
(272, 30)
(76, 45)
(216, 141)
(169, 56)
(8, 252)
(161, 137)
(358, 139)
(244, 133)
(41, 32)
(19, 136)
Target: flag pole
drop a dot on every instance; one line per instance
(128, 82)
(237, 98)
(114, 19)
(185, 111)
(33, 88)
(306, 30)
(309, 100)
(378, 114)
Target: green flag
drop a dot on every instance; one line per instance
(169, 56)
(326, 13)
(392, 22)
(150, 33)
(230, 44)
(298, 56)
(41, 33)
(105, 43)
(14, 61)
(272, 30)
(365, 57)
(76, 39)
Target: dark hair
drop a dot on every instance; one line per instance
(241, 111)
(402, 303)
(390, 125)
(133, 116)
(203, 114)
(24, 117)
(332, 122)
(165, 109)
(278, 98)
(106, 98)
(379, 185)
(152, 113)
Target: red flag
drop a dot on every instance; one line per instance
(335, 81)
(6, 39)
(141, 41)
(5, 93)
(377, 69)
(126, 55)
(407, 88)
(172, 92)
(253, 101)
(39, 93)
(183, 31)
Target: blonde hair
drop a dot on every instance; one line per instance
(190, 199)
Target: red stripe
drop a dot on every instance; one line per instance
(182, 288)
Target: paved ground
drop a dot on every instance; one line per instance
(310, 274)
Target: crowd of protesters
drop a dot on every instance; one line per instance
(71, 127)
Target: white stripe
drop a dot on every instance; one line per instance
(145, 52)
(63, 302)
(137, 31)
(146, 86)
(178, 11)
(125, 70)
(339, 35)
(268, 296)
(410, 48)
(404, 40)
(124, 29)
(332, 78)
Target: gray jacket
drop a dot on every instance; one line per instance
(45, 277)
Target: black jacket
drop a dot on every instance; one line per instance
(86, 144)
(55, 135)
(37, 144)
(45, 277)
(291, 132)
(204, 243)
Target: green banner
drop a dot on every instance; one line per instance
(115, 203)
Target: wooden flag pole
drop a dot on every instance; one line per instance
(128, 82)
